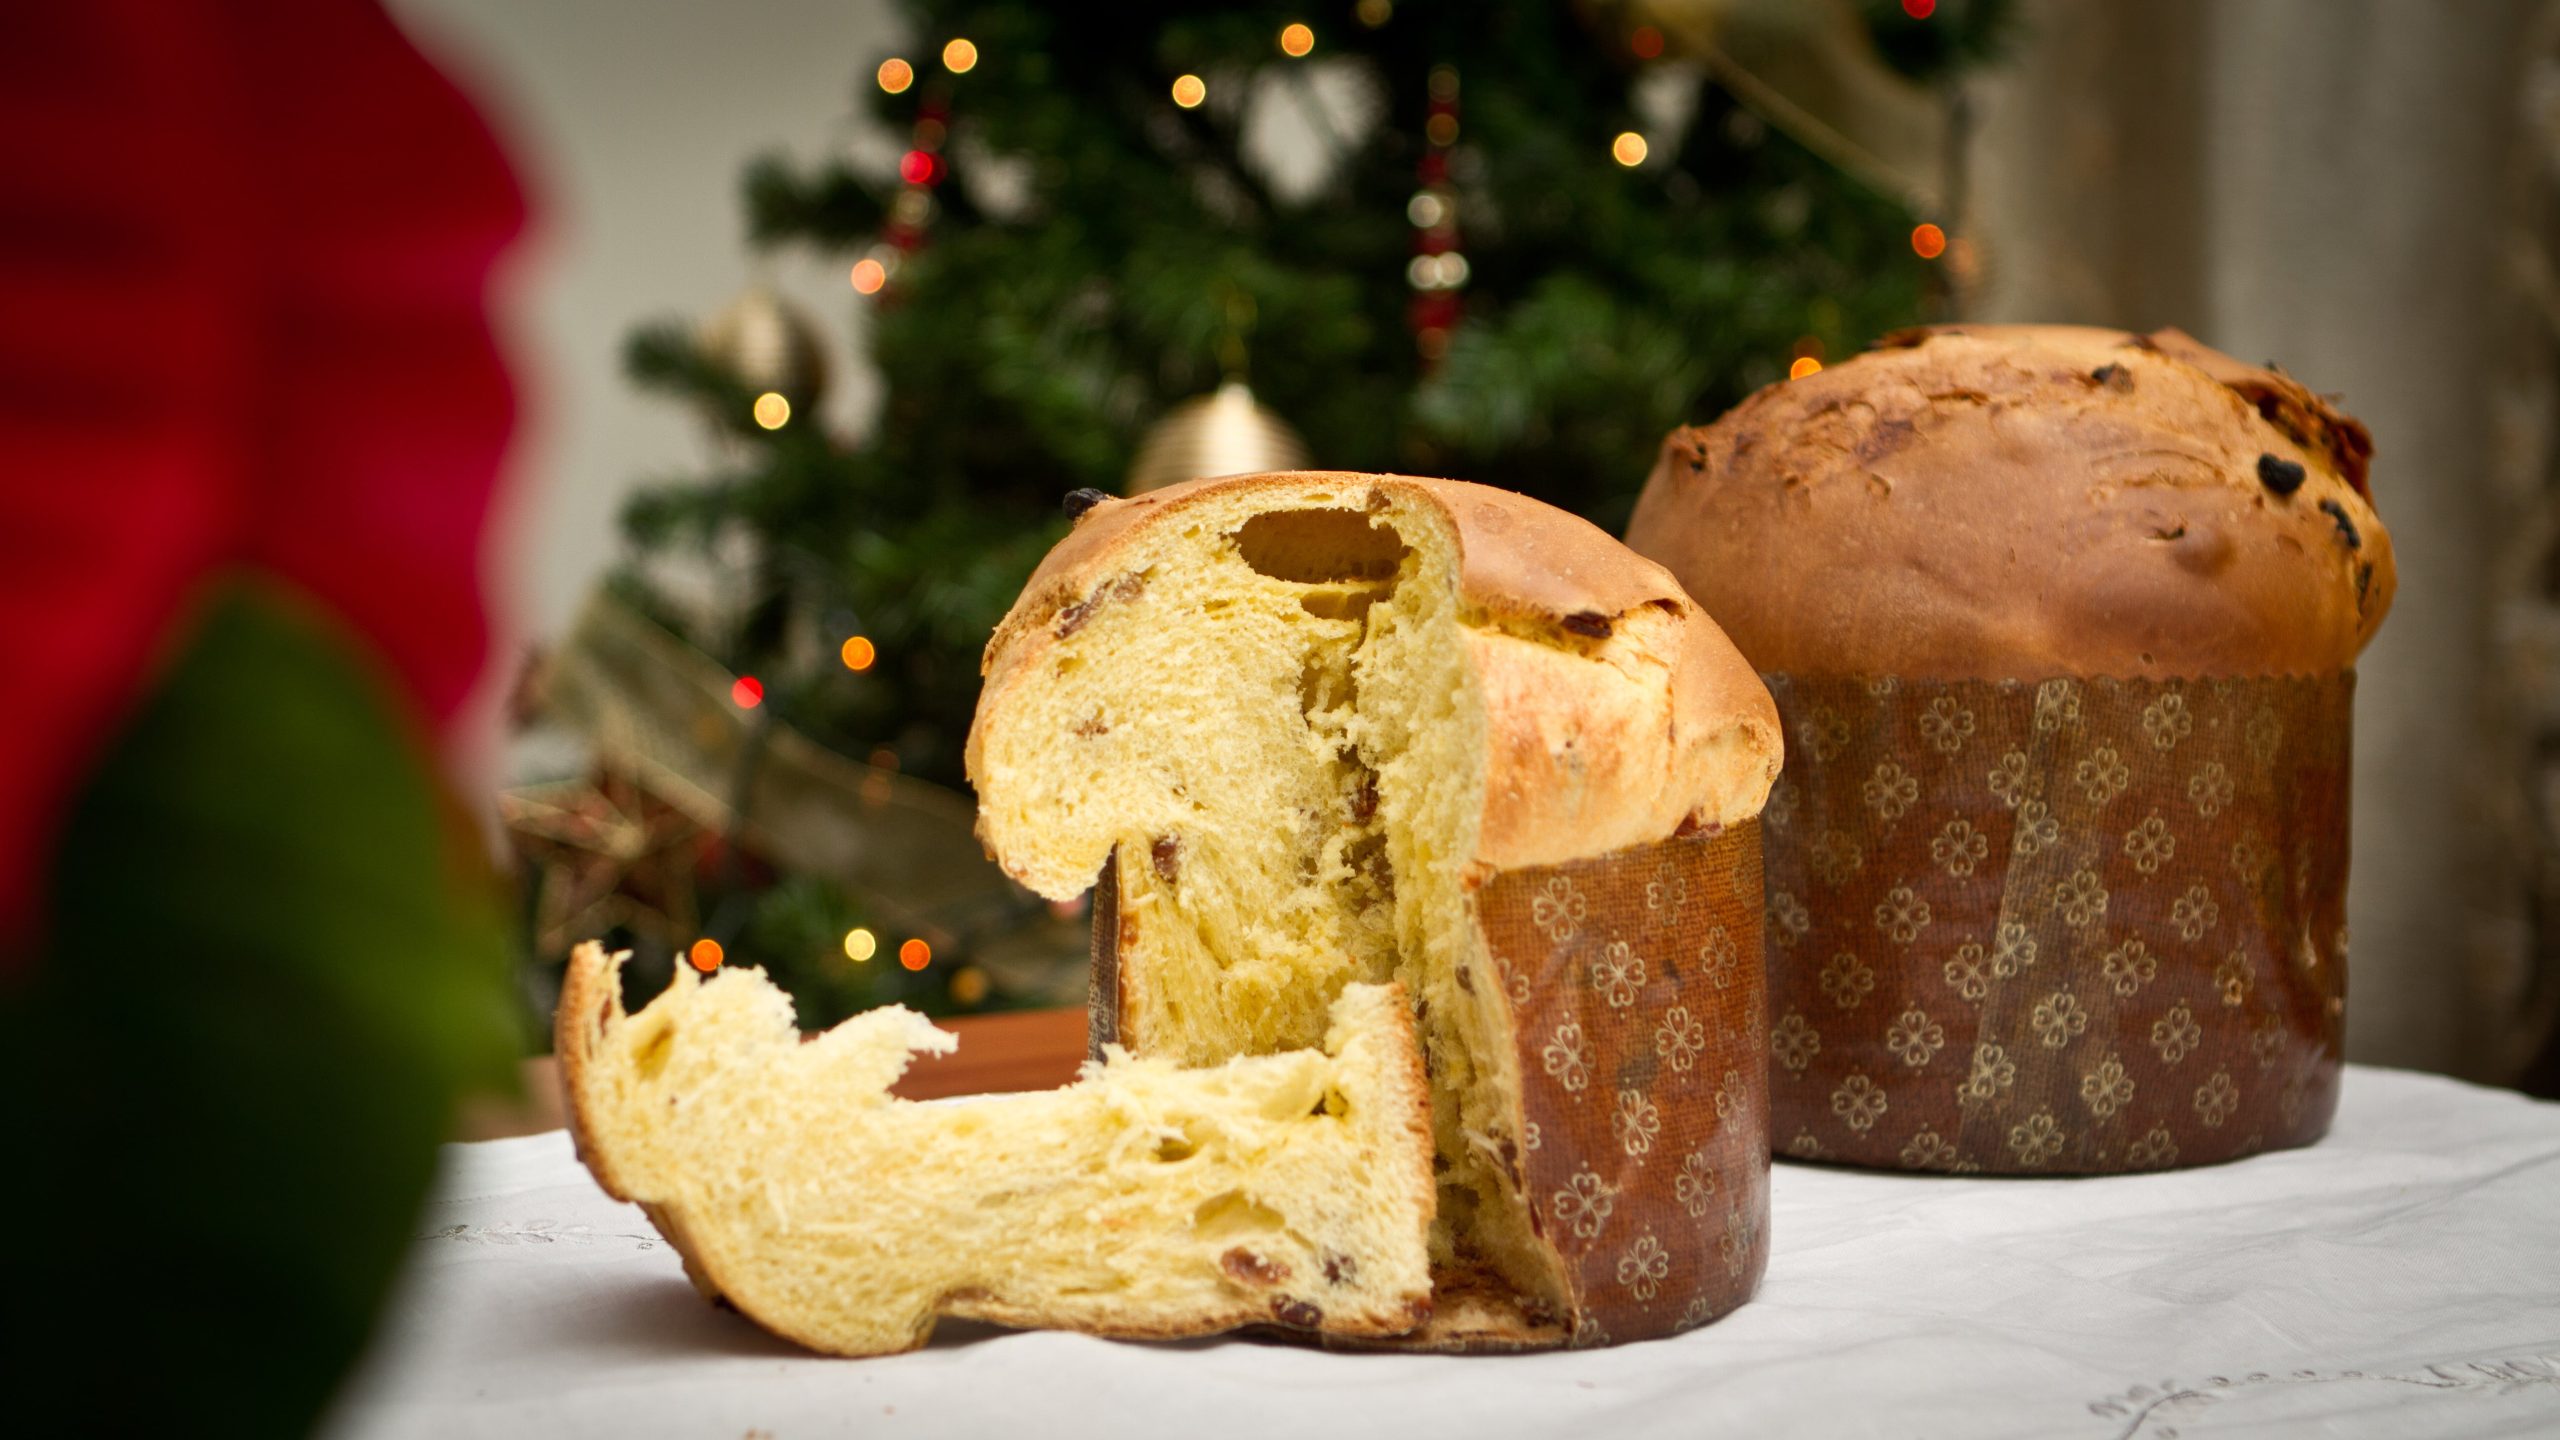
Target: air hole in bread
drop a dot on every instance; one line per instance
(1234, 1213)
(650, 1052)
(1175, 1148)
(1315, 547)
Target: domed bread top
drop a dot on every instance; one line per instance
(1682, 733)
(2025, 501)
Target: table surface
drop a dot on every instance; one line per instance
(2402, 1278)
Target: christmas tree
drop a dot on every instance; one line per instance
(1511, 242)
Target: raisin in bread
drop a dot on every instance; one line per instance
(1318, 730)
(1147, 1200)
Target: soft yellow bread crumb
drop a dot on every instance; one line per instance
(1144, 1200)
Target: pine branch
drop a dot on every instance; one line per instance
(832, 207)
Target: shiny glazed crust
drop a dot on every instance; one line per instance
(2018, 502)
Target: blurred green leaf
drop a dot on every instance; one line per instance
(274, 963)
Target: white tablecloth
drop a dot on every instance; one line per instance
(2402, 1278)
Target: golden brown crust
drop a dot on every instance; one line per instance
(2018, 502)
(1573, 770)
(590, 1003)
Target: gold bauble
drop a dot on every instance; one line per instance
(1226, 432)
(770, 345)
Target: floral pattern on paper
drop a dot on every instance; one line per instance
(1915, 1039)
(1848, 980)
(2131, 886)
(1859, 1102)
(2107, 1089)
(1645, 1033)
(1618, 974)
(1959, 847)
(1558, 909)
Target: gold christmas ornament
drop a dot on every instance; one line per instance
(1226, 432)
(775, 349)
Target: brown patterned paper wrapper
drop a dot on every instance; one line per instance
(2069, 927)
(1640, 1022)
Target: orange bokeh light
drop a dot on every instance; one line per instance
(705, 955)
(859, 652)
(1189, 91)
(1928, 241)
(896, 75)
(1805, 365)
(1296, 41)
(869, 276)
(1646, 42)
(915, 954)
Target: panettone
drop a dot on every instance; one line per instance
(1311, 730)
(1289, 1190)
(2062, 622)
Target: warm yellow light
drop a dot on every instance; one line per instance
(1189, 91)
(772, 411)
(859, 652)
(1629, 149)
(1374, 13)
(959, 57)
(969, 985)
(860, 945)
(896, 75)
(869, 276)
(1296, 40)
(1928, 241)
(1805, 365)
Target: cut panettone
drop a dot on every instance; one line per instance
(1314, 730)
(1145, 1200)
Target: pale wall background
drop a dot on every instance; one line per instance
(2318, 181)
(631, 120)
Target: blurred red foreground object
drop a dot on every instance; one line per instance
(243, 249)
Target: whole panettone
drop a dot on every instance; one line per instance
(1317, 729)
(2062, 624)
